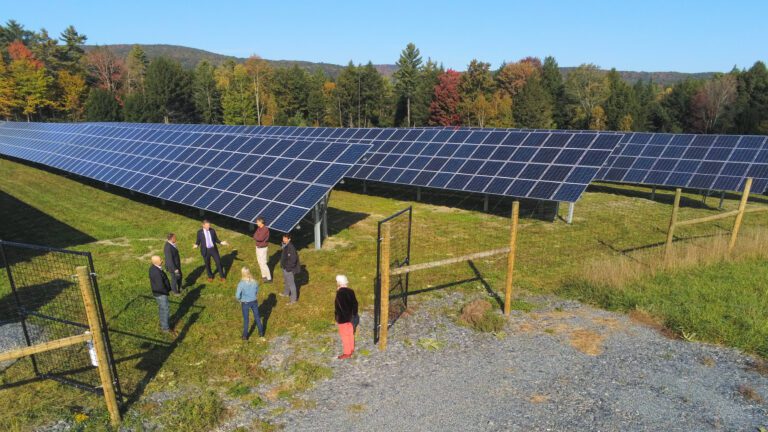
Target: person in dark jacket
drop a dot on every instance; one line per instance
(173, 263)
(346, 316)
(207, 241)
(289, 261)
(160, 289)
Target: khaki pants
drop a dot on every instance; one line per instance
(261, 258)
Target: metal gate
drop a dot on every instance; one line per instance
(41, 301)
(399, 228)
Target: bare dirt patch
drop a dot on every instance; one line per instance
(646, 319)
(587, 341)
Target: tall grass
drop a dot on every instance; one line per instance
(700, 293)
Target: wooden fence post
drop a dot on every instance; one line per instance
(672, 222)
(511, 258)
(740, 215)
(105, 373)
(384, 286)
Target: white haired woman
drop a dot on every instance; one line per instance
(247, 294)
(346, 316)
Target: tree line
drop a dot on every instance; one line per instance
(54, 79)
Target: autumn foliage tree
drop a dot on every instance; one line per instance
(711, 101)
(444, 109)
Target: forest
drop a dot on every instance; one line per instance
(54, 79)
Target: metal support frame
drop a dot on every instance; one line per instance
(418, 193)
(722, 200)
(251, 227)
(571, 206)
(320, 221)
(365, 187)
(485, 202)
(653, 194)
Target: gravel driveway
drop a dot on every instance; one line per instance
(563, 366)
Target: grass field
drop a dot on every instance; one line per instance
(183, 384)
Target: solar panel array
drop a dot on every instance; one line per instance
(549, 165)
(232, 173)
(281, 172)
(709, 162)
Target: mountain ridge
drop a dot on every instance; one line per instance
(189, 57)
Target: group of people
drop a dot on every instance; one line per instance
(346, 307)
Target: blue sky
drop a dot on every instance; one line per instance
(649, 35)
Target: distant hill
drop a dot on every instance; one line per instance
(190, 57)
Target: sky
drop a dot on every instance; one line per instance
(642, 35)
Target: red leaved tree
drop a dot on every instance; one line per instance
(444, 109)
(19, 52)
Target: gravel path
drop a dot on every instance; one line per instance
(563, 366)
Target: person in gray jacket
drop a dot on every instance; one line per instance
(247, 294)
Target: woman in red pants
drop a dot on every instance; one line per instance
(346, 316)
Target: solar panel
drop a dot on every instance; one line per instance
(708, 162)
(214, 168)
(547, 165)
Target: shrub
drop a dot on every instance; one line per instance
(480, 315)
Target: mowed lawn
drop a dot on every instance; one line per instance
(123, 231)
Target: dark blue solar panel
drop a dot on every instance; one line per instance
(217, 168)
(711, 162)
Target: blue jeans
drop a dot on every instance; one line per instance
(254, 306)
(162, 308)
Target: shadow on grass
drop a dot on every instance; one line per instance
(666, 195)
(336, 217)
(265, 310)
(155, 352)
(497, 205)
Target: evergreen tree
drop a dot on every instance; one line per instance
(620, 102)
(290, 88)
(533, 106)
(168, 92)
(428, 79)
(371, 95)
(552, 81)
(135, 108)
(347, 95)
(751, 107)
(101, 106)
(407, 79)
(316, 102)
(70, 54)
(135, 70)
(206, 95)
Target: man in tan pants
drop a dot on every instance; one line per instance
(261, 236)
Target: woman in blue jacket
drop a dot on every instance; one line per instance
(247, 292)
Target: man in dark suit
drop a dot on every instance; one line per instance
(173, 263)
(207, 241)
(160, 289)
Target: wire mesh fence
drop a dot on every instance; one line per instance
(41, 301)
(617, 237)
(398, 229)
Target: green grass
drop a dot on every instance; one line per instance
(724, 303)
(122, 231)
